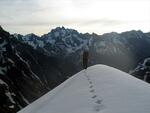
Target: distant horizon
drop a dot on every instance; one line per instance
(98, 16)
(76, 30)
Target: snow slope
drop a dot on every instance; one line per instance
(99, 89)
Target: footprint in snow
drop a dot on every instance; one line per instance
(88, 79)
(98, 108)
(92, 90)
(90, 82)
(94, 96)
(91, 86)
(98, 102)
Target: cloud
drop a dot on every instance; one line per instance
(103, 22)
(79, 14)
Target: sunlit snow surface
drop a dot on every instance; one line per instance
(100, 89)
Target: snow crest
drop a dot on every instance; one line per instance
(99, 89)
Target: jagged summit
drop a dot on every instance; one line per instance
(132, 31)
(99, 89)
(32, 34)
(111, 33)
(63, 28)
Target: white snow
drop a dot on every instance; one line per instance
(32, 44)
(101, 47)
(51, 41)
(10, 97)
(2, 82)
(3, 44)
(63, 31)
(40, 43)
(102, 43)
(117, 41)
(145, 61)
(99, 89)
(56, 34)
(3, 70)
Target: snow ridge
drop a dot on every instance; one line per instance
(99, 89)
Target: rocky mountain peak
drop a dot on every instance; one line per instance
(111, 35)
(62, 32)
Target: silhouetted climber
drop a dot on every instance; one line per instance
(85, 57)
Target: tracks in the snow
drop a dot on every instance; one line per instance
(98, 106)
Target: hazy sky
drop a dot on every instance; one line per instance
(99, 16)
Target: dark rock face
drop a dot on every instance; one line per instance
(28, 73)
(123, 51)
(18, 84)
(7, 99)
(142, 71)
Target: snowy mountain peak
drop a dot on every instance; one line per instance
(31, 35)
(111, 34)
(63, 28)
(62, 32)
(133, 34)
(99, 89)
(65, 39)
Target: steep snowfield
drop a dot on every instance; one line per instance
(99, 89)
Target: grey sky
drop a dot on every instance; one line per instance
(100, 16)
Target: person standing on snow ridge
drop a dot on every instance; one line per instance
(85, 57)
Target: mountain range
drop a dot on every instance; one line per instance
(31, 65)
